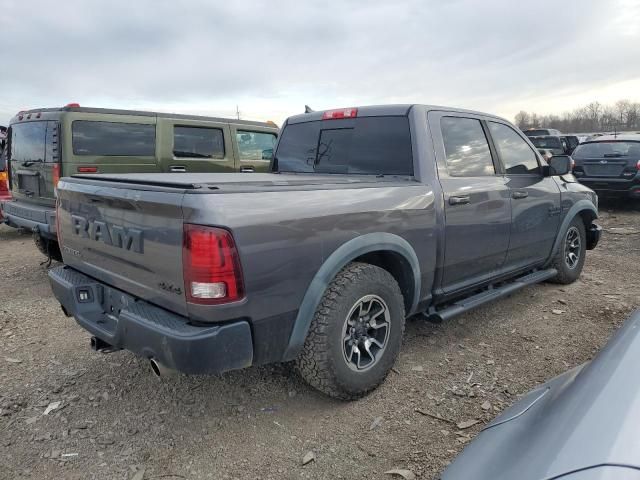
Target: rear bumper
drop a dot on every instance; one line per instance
(613, 186)
(19, 214)
(149, 331)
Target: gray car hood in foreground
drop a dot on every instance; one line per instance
(582, 425)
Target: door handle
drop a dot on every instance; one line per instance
(519, 194)
(247, 169)
(178, 168)
(459, 200)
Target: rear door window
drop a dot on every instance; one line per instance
(198, 142)
(255, 145)
(515, 153)
(466, 147)
(363, 145)
(113, 138)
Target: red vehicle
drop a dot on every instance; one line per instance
(5, 193)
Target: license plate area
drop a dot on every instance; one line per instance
(611, 170)
(29, 183)
(112, 301)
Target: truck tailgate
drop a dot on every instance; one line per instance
(127, 238)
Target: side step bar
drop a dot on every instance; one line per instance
(466, 304)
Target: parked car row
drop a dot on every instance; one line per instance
(609, 164)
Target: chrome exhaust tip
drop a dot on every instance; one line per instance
(160, 370)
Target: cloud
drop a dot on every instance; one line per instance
(271, 58)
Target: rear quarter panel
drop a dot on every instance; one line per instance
(283, 237)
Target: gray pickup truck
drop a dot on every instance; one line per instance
(369, 215)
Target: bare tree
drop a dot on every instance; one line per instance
(623, 115)
(622, 110)
(522, 119)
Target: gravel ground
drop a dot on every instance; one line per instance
(115, 420)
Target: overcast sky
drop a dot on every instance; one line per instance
(271, 58)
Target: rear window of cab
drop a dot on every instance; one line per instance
(361, 145)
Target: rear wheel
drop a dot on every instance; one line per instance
(356, 333)
(571, 254)
(48, 247)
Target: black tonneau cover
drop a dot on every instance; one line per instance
(212, 182)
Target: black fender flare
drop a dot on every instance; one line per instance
(354, 248)
(576, 208)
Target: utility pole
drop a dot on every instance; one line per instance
(237, 112)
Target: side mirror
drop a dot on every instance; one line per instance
(560, 165)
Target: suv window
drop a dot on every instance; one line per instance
(516, 154)
(361, 145)
(255, 145)
(34, 141)
(198, 142)
(466, 147)
(113, 138)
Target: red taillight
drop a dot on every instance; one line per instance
(72, 105)
(638, 165)
(58, 231)
(211, 266)
(55, 174)
(4, 184)
(340, 113)
(87, 169)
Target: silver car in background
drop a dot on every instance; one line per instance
(582, 425)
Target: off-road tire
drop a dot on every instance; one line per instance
(321, 362)
(566, 274)
(48, 247)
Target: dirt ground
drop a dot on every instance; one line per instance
(115, 420)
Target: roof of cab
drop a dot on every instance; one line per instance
(629, 137)
(141, 113)
(384, 110)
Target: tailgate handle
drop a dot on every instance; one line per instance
(459, 200)
(520, 194)
(178, 168)
(247, 169)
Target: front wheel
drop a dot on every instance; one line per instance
(571, 254)
(356, 333)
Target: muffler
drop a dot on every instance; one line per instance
(160, 370)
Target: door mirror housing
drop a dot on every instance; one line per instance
(560, 165)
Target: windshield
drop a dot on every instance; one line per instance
(547, 142)
(607, 149)
(365, 145)
(28, 141)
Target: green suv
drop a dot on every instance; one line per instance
(45, 145)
